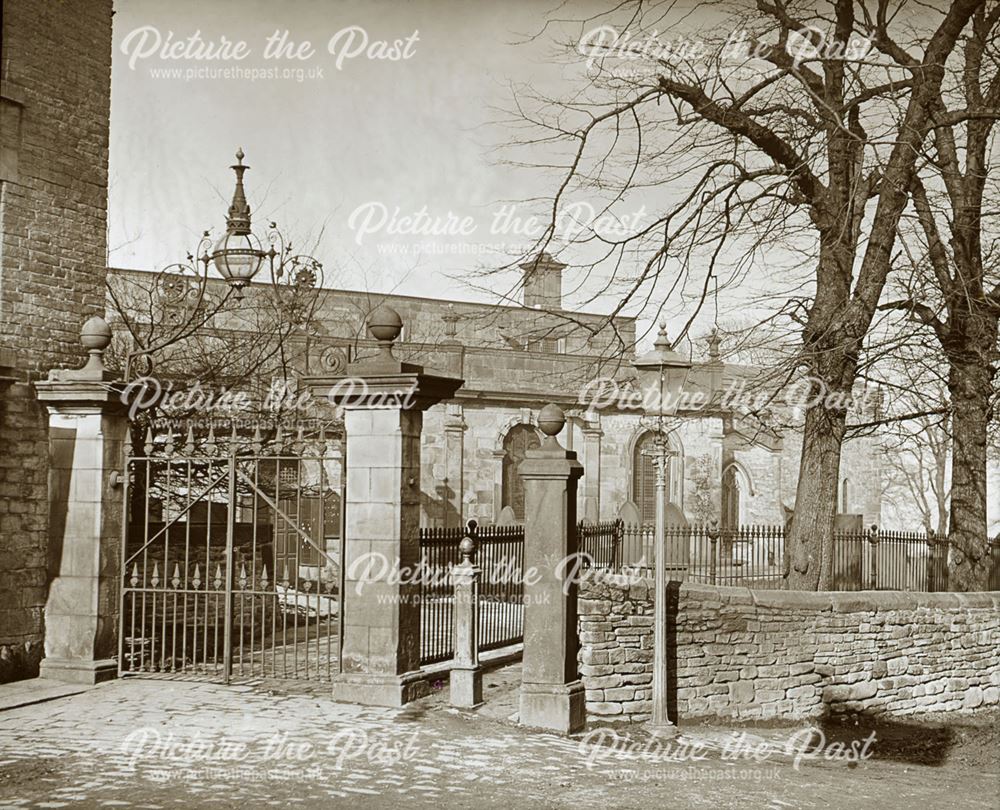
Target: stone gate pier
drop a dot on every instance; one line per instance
(87, 431)
(383, 401)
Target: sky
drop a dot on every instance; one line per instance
(343, 140)
(376, 133)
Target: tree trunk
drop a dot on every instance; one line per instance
(809, 546)
(969, 390)
(832, 357)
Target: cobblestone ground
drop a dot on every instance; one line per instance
(160, 744)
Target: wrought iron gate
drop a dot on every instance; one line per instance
(231, 559)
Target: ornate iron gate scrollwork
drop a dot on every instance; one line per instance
(231, 559)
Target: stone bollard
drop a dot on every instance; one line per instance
(552, 695)
(466, 676)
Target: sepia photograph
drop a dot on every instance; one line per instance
(519, 404)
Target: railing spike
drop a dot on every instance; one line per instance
(148, 446)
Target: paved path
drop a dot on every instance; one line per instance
(160, 744)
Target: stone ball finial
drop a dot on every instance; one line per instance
(468, 545)
(384, 324)
(95, 337)
(466, 548)
(551, 420)
(96, 334)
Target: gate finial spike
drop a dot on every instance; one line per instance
(135, 574)
(210, 441)
(196, 580)
(258, 444)
(189, 442)
(218, 577)
(156, 575)
(148, 446)
(168, 447)
(176, 581)
(284, 581)
(263, 578)
(243, 576)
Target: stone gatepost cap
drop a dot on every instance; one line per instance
(96, 334)
(539, 462)
(384, 324)
(551, 421)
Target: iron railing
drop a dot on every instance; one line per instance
(753, 556)
(500, 556)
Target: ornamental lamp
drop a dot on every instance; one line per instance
(238, 255)
(661, 376)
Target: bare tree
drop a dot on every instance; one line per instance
(951, 285)
(917, 461)
(810, 155)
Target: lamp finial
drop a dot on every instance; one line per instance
(662, 342)
(238, 220)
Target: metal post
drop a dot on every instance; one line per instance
(660, 722)
(930, 571)
(616, 545)
(227, 650)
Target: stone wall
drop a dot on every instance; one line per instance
(758, 655)
(55, 92)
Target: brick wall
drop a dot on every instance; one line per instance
(758, 655)
(56, 79)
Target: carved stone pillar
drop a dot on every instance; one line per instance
(552, 695)
(380, 611)
(87, 431)
(592, 434)
(454, 442)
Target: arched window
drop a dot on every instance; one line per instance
(644, 478)
(516, 443)
(737, 492)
